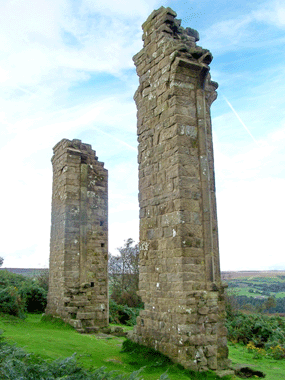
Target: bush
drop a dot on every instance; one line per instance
(127, 297)
(11, 302)
(19, 294)
(259, 332)
(43, 279)
(35, 297)
(11, 279)
(277, 352)
(122, 314)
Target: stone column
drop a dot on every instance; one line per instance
(78, 283)
(180, 281)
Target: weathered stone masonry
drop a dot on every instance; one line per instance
(78, 284)
(179, 258)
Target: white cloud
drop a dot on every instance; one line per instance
(121, 231)
(122, 8)
(53, 41)
(49, 50)
(250, 187)
(272, 12)
(252, 230)
(247, 31)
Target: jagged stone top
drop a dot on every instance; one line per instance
(163, 23)
(75, 146)
(163, 20)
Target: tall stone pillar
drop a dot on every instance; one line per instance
(180, 281)
(78, 282)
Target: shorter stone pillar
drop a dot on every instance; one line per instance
(78, 279)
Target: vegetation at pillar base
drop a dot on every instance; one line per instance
(45, 340)
(257, 339)
(141, 352)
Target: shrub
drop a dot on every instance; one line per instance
(11, 279)
(35, 297)
(262, 334)
(43, 279)
(122, 314)
(258, 353)
(277, 352)
(11, 302)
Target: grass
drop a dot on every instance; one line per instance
(244, 292)
(274, 369)
(54, 340)
(257, 285)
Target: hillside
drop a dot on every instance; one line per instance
(229, 275)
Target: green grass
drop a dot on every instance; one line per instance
(274, 369)
(51, 341)
(244, 292)
(54, 340)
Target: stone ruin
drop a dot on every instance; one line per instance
(180, 282)
(78, 282)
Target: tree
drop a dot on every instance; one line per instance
(43, 279)
(1, 261)
(124, 275)
(270, 303)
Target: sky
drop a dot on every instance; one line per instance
(66, 71)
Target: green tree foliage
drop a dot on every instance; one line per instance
(11, 302)
(232, 305)
(43, 279)
(11, 279)
(124, 275)
(34, 297)
(257, 304)
(19, 294)
(122, 314)
(270, 303)
(1, 261)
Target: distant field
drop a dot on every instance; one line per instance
(229, 275)
(254, 288)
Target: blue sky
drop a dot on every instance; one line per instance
(66, 71)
